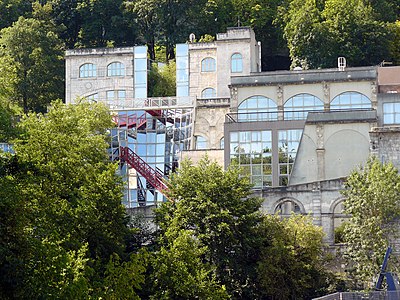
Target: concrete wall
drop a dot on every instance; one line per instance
(196, 155)
(333, 146)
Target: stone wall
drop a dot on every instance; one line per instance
(319, 199)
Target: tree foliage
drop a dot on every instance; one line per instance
(63, 200)
(292, 264)
(215, 205)
(179, 271)
(318, 34)
(162, 80)
(31, 54)
(372, 201)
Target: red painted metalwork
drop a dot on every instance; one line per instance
(154, 177)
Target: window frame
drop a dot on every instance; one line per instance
(393, 113)
(266, 109)
(236, 63)
(201, 142)
(336, 105)
(300, 112)
(208, 65)
(115, 69)
(87, 70)
(206, 90)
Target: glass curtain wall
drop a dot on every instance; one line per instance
(157, 136)
(252, 151)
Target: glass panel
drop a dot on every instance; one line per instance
(257, 108)
(201, 143)
(208, 65)
(351, 100)
(297, 107)
(208, 93)
(87, 70)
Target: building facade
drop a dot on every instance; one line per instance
(295, 134)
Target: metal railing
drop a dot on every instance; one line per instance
(284, 115)
(375, 295)
(146, 103)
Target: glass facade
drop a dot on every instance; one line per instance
(140, 67)
(351, 100)
(182, 70)
(257, 108)
(157, 136)
(288, 144)
(252, 151)
(297, 107)
(391, 113)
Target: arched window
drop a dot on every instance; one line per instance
(116, 69)
(287, 207)
(208, 64)
(201, 142)
(208, 93)
(339, 219)
(93, 97)
(257, 108)
(351, 100)
(236, 63)
(87, 70)
(222, 143)
(297, 107)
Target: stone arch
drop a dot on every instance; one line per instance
(294, 206)
(337, 217)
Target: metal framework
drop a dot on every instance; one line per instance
(153, 176)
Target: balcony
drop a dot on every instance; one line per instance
(212, 102)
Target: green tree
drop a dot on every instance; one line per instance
(180, 273)
(32, 54)
(372, 200)
(145, 15)
(162, 81)
(318, 32)
(11, 10)
(215, 205)
(292, 261)
(71, 205)
(103, 24)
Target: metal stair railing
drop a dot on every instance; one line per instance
(155, 178)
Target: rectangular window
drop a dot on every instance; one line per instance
(391, 113)
(288, 145)
(252, 151)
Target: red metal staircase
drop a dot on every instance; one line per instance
(154, 177)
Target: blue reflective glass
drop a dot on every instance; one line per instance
(351, 100)
(236, 63)
(208, 65)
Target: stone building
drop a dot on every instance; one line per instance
(296, 134)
